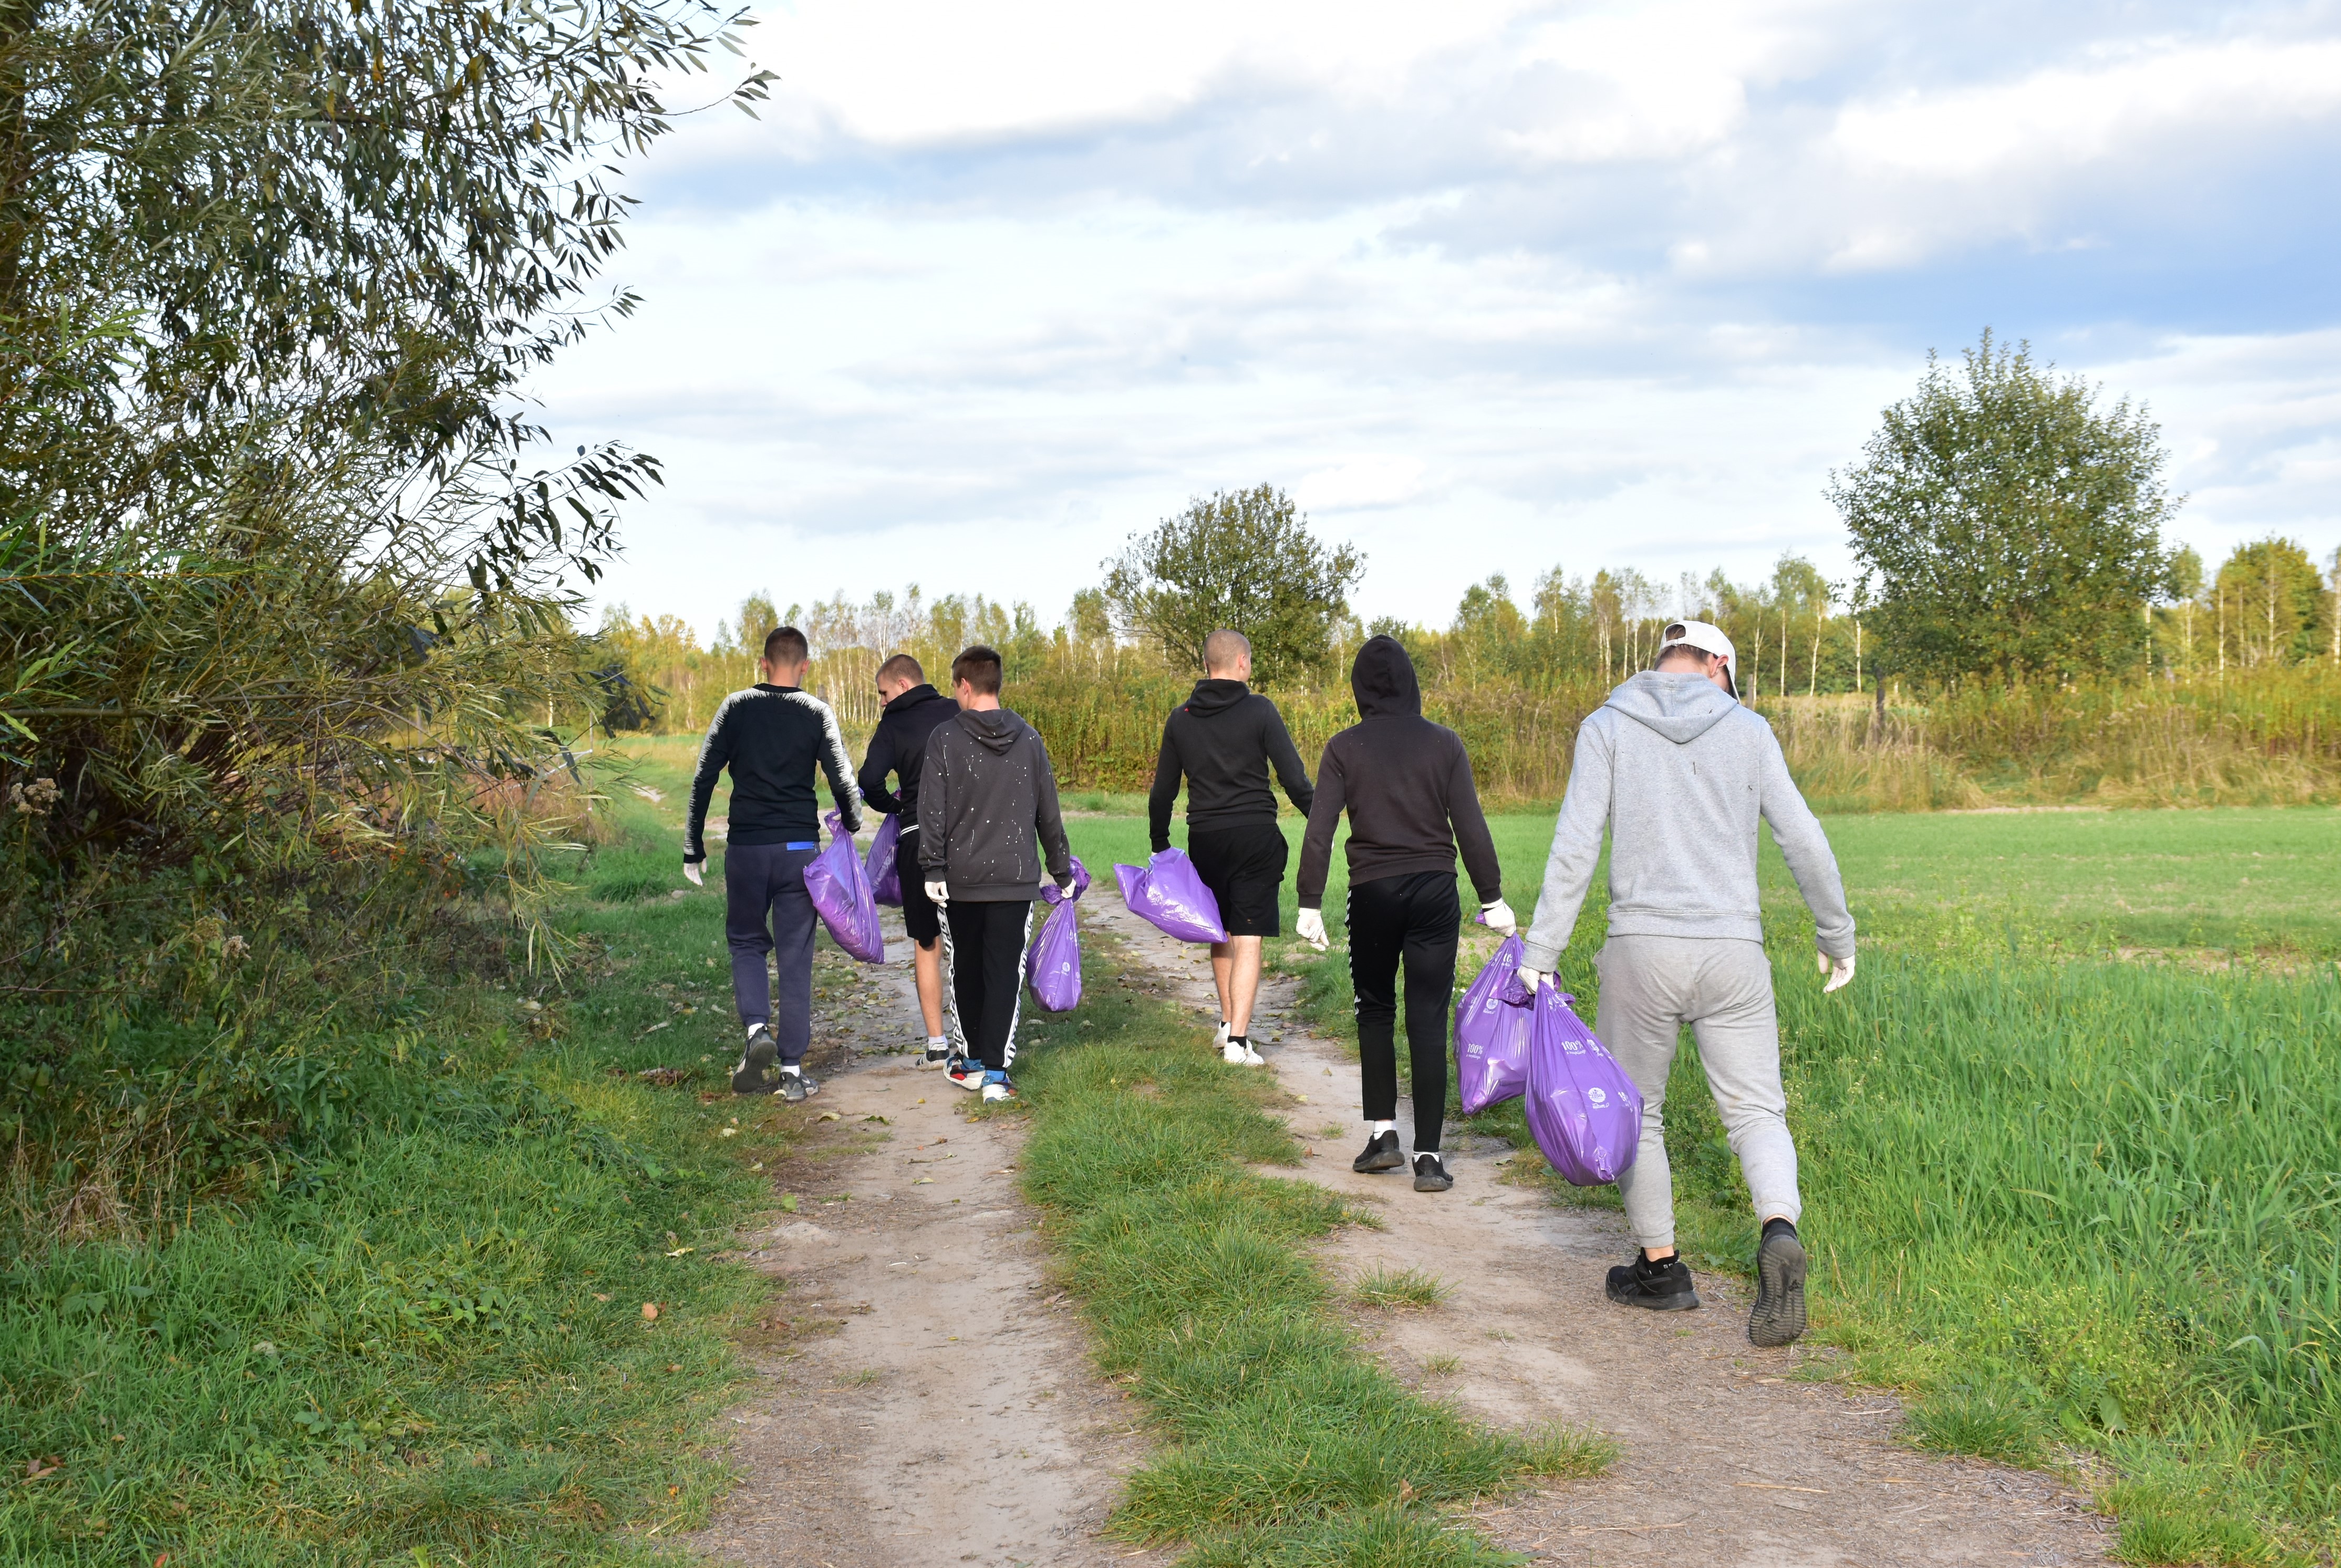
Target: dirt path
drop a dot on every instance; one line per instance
(930, 1401)
(1727, 1459)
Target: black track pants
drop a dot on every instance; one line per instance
(1410, 920)
(983, 950)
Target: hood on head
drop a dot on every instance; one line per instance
(995, 728)
(922, 693)
(1382, 681)
(1215, 696)
(1680, 704)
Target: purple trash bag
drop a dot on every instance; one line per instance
(885, 876)
(841, 896)
(1170, 893)
(1491, 1035)
(1053, 964)
(1584, 1110)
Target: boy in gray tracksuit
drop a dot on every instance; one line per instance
(1680, 773)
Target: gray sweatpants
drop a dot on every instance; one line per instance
(1722, 987)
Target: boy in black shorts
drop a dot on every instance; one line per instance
(899, 745)
(1223, 739)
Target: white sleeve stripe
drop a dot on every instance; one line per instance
(834, 740)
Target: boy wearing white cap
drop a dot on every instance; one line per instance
(1679, 774)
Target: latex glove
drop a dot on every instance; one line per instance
(1498, 917)
(693, 873)
(1839, 970)
(1531, 978)
(939, 891)
(1310, 927)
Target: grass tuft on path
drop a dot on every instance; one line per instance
(1285, 1443)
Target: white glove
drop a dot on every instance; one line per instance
(1839, 970)
(693, 874)
(939, 891)
(1310, 927)
(1531, 978)
(1498, 917)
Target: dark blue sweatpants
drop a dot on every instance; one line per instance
(764, 884)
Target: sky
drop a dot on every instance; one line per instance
(1488, 286)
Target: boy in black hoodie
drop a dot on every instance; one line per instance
(987, 814)
(1406, 783)
(1223, 739)
(899, 745)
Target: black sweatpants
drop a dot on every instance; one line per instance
(762, 883)
(983, 951)
(1413, 921)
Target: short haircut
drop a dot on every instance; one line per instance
(980, 668)
(1222, 648)
(1684, 651)
(786, 645)
(903, 667)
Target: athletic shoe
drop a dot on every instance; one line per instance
(1238, 1054)
(799, 1087)
(1381, 1153)
(754, 1074)
(1663, 1286)
(967, 1074)
(935, 1056)
(1431, 1174)
(996, 1088)
(1220, 1036)
(1779, 1318)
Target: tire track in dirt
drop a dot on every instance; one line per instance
(1728, 1458)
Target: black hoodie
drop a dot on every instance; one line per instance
(1223, 738)
(988, 808)
(899, 745)
(1403, 779)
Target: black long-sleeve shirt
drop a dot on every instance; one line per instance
(1224, 738)
(899, 745)
(771, 738)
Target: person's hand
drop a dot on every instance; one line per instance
(939, 891)
(1310, 927)
(1065, 884)
(1839, 970)
(1531, 978)
(693, 872)
(1498, 917)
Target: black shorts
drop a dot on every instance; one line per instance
(1244, 869)
(921, 918)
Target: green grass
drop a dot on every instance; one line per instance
(1399, 1288)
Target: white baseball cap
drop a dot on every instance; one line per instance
(1707, 638)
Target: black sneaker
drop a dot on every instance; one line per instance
(1431, 1174)
(799, 1086)
(1381, 1153)
(754, 1075)
(1663, 1286)
(1779, 1318)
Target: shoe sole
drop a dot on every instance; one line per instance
(1380, 1164)
(1681, 1301)
(973, 1085)
(1779, 1318)
(748, 1079)
(1433, 1183)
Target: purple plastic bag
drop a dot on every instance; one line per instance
(885, 875)
(1170, 893)
(1584, 1110)
(841, 896)
(1491, 1035)
(1053, 963)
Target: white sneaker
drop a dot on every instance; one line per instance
(1231, 1052)
(1220, 1036)
(1252, 1058)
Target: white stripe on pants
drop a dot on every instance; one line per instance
(1651, 988)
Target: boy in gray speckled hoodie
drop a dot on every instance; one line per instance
(1680, 773)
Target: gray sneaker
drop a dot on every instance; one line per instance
(797, 1086)
(754, 1075)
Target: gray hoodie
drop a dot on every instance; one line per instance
(988, 808)
(1678, 773)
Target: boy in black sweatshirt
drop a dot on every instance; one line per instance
(899, 745)
(987, 814)
(1406, 783)
(1224, 738)
(771, 735)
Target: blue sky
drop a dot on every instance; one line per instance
(1489, 286)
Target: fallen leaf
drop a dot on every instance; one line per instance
(789, 1202)
(35, 1469)
(828, 1117)
(654, 1028)
(678, 1252)
(650, 1312)
(942, 1140)
(888, 1120)
(599, 1296)
(923, 1181)
(674, 1366)
(728, 1133)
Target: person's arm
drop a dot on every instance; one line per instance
(1324, 818)
(714, 756)
(1575, 849)
(839, 769)
(1473, 839)
(1806, 847)
(1165, 792)
(1048, 821)
(1285, 758)
(935, 806)
(876, 763)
